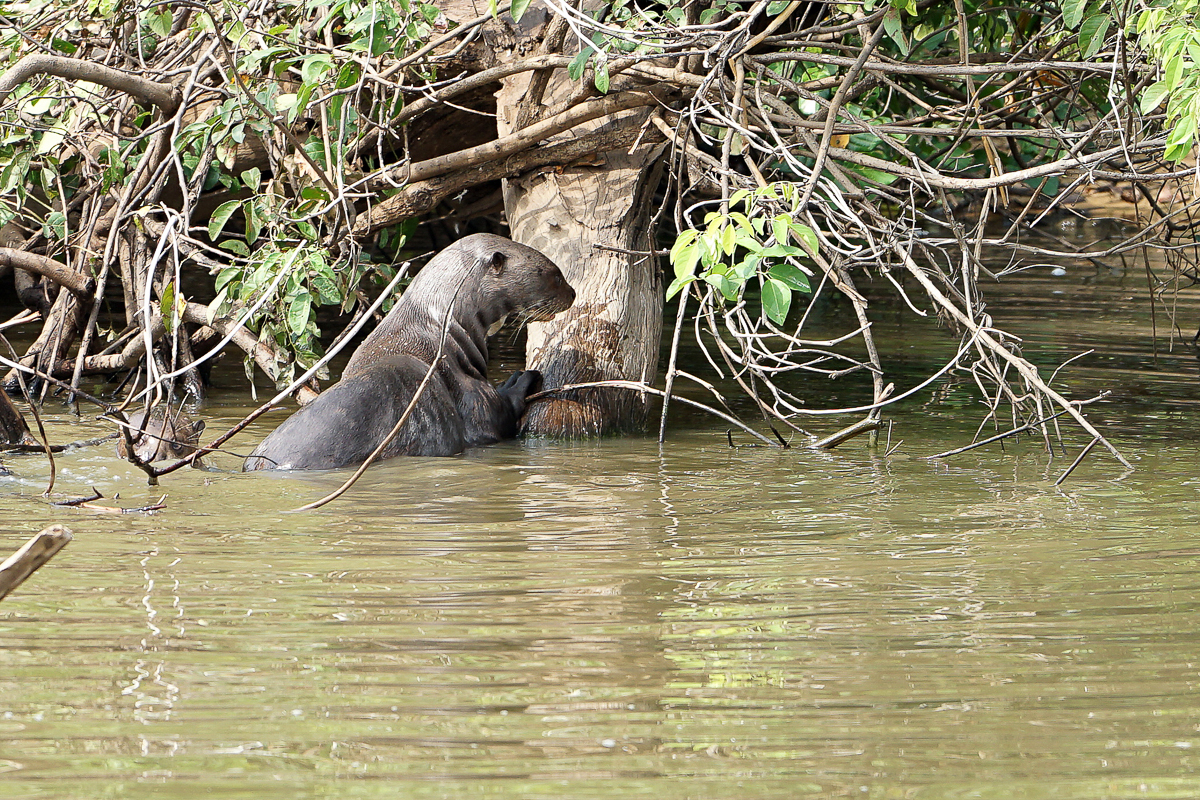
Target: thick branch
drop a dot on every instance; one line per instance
(493, 75)
(163, 95)
(78, 283)
(524, 138)
(417, 198)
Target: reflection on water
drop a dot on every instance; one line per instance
(614, 619)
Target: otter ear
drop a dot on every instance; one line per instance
(497, 261)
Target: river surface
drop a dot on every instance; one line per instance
(618, 619)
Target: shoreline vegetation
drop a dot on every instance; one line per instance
(748, 159)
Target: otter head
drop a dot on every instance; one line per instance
(519, 280)
(161, 436)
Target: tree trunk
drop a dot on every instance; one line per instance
(13, 428)
(613, 330)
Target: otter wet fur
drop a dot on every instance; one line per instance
(480, 280)
(165, 434)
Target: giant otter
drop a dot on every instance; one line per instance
(479, 280)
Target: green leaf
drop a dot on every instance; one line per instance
(1178, 152)
(235, 246)
(792, 277)
(298, 311)
(779, 227)
(1153, 96)
(216, 223)
(301, 103)
(1185, 128)
(307, 229)
(63, 46)
(579, 63)
(314, 67)
(776, 7)
(893, 28)
(159, 24)
(684, 239)
(55, 226)
(728, 239)
(749, 241)
(808, 236)
(1173, 70)
(742, 221)
(782, 251)
(1072, 12)
(251, 177)
(494, 8)
(747, 267)
(678, 284)
(602, 77)
(166, 305)
(685, 265)
(327, 290)
(728, 288)
(710, 247)
(518, 9)
(253, 222)
(225, 276)
(1092, 33)
(14, 174)
(776, 300)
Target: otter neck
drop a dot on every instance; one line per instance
(419, 310)
(471, 316)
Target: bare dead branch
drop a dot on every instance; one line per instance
(79, 284)
(163, 95)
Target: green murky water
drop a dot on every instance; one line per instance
(617, 619)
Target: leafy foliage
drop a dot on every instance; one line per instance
(736, 247)
(1170, 33)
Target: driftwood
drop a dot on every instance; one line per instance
(32, 555)
(90, 504)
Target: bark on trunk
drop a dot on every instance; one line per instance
(612, 331)
(13, 428)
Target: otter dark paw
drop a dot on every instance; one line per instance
(520, 385)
